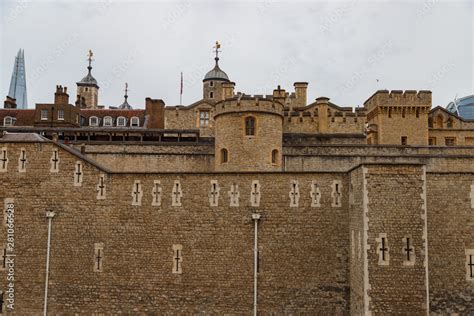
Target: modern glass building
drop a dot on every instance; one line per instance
(463, 107)
(18, 81)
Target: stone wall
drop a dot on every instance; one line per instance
(311, 258)
(303, 250)
(450, 232)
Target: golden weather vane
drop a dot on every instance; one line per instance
(218, 45)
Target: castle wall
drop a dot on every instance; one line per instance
(188, 118)
(461, 138)
(357, 240)
(153, 158)
(303, 249)
(450, 200)
(395, 209)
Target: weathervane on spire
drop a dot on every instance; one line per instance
(218, 45)
(126, 91)
(90, 54)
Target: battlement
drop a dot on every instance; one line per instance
(248, 103)
(399, 98)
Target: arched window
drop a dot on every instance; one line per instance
(439, 121)
(250, 126)
(8, 121)
(93, 121)
(274, 156)
(211, 83)
(121, 121)
(134, 121)
(108, 121)
(430, 122)
(211, 95)
(224, 155)
(449, 123)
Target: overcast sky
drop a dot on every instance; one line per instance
(340, 47)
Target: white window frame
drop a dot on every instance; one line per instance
(44, 115)
(134, 121)
(61, 115)
(8, 121)
(121, 119)
(96, 121)
(108, 121)
(204, 120)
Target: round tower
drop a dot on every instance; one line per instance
(248, 134)
(87, 88)
(215, 81)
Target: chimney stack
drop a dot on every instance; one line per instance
(155, 112)
(61, 96)
(301, 93)
(9, 103)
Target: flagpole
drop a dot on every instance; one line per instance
(181, 91)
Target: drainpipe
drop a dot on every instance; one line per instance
(255, 217)
(49, 216)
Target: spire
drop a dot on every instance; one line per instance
(125, 105)
(216, 73)
(89, 80)
(218, 45)
(90, 54)
(18, 81)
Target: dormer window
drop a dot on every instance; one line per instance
(121, 121)
(93, 121)
(135, 122)
(44, 115)
(107, 121)
(8, 121)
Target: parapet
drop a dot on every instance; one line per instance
(399, 98)
(243, 103)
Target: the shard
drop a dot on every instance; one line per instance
(18, 81)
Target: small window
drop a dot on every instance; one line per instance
(274, 156)
(432, 141)
(204, 118)
(250, 126)
(93, 121)
(403, 113)
(211, 95)
(450, 141)
(60, 115)
(8, 121)
(211, 83)
(134, 121)
(44, 115)
(390, 113)
(404, 140)
(224, 155)
(430, 122)
(107, 121)
(417, 113)
(121, 121)
(449, 123)
(98, 257)
(469, 264)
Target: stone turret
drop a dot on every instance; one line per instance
(88, 88)
(398, 117)
(249, 133)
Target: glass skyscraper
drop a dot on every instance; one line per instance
(18, 81)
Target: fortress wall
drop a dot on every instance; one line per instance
(357, 240)
(450, 230)
(303, 249)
